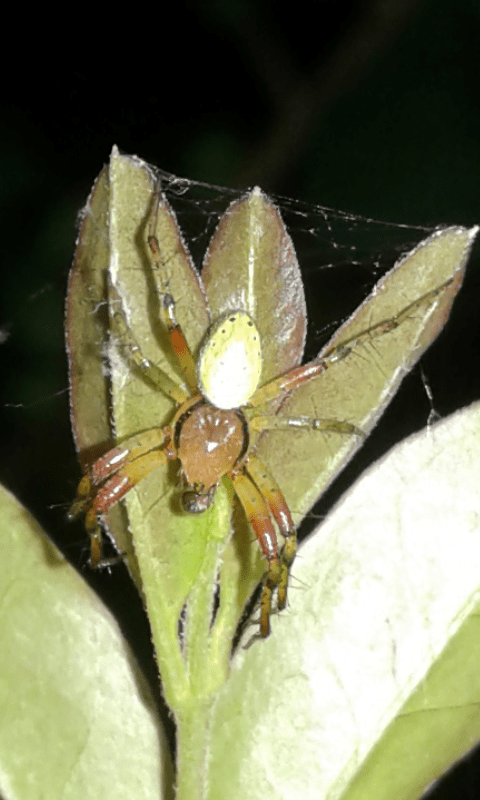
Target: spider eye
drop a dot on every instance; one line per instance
(230, 361)
(193, 502)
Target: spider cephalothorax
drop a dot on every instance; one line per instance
(209, 443)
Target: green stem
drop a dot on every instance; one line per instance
(169, 657)
(205, 675)
(193, 722)
(197, 631)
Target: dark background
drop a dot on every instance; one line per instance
(372, 107)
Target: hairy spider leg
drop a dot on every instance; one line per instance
(111, 462)
(299, 375)
(272, 493)
(114, 490)
(272, 422)
(258, 515)
(280, 511)
(167, 303)
(129, 450)
(115, 463)
(121, 330)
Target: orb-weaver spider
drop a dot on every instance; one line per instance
(210, 433)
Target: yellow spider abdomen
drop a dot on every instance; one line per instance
(230, 362)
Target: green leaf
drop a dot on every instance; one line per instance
(358, 388)
(368, 687)
(76, 716)
(251, 264)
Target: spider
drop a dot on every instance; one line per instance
(212, 430)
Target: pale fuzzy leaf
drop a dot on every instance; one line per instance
(112, 247)
(358, 663)
(86, 319)
(86, 333)
(358, 388)
(137, 404)
(251, 265)
(77, 720)
(172, 548)
(169, 538)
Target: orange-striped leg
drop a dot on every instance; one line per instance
(282, 516)
(121, 330)
(127, 451)
(115, 490)
(112, 462)
(258, 515)
(299, 375)
(167, 303)
(178, 341)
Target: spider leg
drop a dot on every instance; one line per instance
(112, 462)
(114, 490)
(271, 422)
(258, 515)
(282, 516)
(127, 451)
(167, 303)
(299, 375)
(343, 349)
(121, 329)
